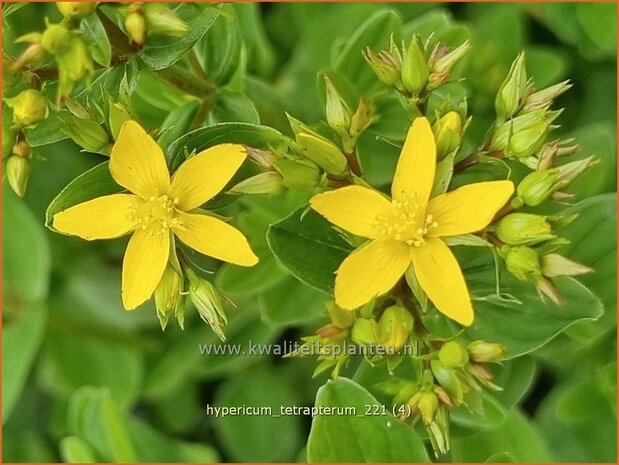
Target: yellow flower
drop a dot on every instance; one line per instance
(158, 208)
(408, 229)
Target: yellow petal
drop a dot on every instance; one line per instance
(353, 208)
(439, 275)
(101, 218)
(203, 176)
(211, 236)
(145, 259)
(137, 162)
(469, 208)
(414, 175)
(370, 271)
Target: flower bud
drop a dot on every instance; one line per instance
(536, 188)
(297, 174)
(485, 352)
(267, 183)
(554, 264)
(523, 229)
(336, 109)
(438, 431)
(543, 99)
(34, 55)
(17, 174)
(395, 326)
(22, 149)
(29, 107)
(362, 118)
(117, 116)
(207, 300)
(56, 38)
(364, 331)
(86, 133)
(523, 263)
(524, 135)
(168, 294)
(513, 90)
(161, 20)
(76, 9)
(549, 152)
(545, 288)
(570, 171)
(385, 66)
(453, 355)
(448, 380)
(414, 71)
(135, 25)
(442, 61)
(332, 333)
(447, 133)
(427, 405)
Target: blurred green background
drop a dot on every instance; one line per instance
(85, 380)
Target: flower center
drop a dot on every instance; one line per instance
(407, 222)
(157, 214)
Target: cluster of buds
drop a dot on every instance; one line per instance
(417, 69)
(142, 19)
(524, 117)
(454, 373)
(528, 264)
(342, 120)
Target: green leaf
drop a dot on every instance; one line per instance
(46, 132)
(308, 246)
(237, 280)
(521, 326)
(356, 436)
(93, 416)
(591, 245)
(260, 137)
(177, 123)
(516, 377)
(96, 38)
(373, 33)
(546, 66)
(161, 52)
(26, 260)
(95, 182)
(516, 437)
(75, 450)
(260, 52)
(266, 437)
(233, 107)
(291, 302)
(487, 412)
(21, 339)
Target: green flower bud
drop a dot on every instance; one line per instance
(135, 25)
(168, 294)
(76, 9)
(438, 431)
(554, 264)
(86, 133)
(543, 99)
(33, 57)
(414, 71)
(536, 188)
(297, 174)
(17, 174)
(207, 300)
(485, 352)
(570, 171)
(324, 153)
(56, 38)
(523, 229)
(448, 380)
(427, 405)
(117, 116)
(161, 20)
(447, 133)
(362, 118)
(29, 107)
(453, 355)
(386, 67)
(364, 331)
(395, 327)
(442, 61)
(523, 263)
(74, 64)
(336, 110)
(513, 90)
(524, 135)
(268, 183)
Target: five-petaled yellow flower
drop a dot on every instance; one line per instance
(158, 208)
(408, 229)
